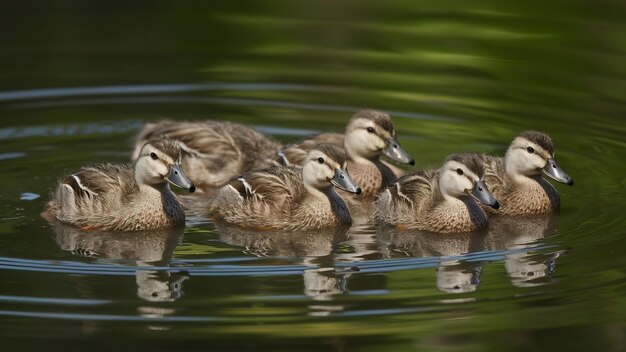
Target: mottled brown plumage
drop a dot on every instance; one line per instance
(122, 197)
(214, 151)
(516, 180)
(421, 201)
(534, 195)
(364, 150)
(285, 198)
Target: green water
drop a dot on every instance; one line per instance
(78, 79)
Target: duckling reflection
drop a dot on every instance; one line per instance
(311, 246)
(457, 277)
(143, 248)
(504, 233)
(517, 233)
(453, 276)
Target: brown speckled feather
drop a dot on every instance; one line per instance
(415, 201)
(276, 198)
(108, 197)
(214, 151)
(536, 196)
(295, 154)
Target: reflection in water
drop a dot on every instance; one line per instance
(455, 275)
(362, 242)
(144, 249)
(524, 269)
(321, 282)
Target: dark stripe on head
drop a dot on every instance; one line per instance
(473, 161)
(380, 118)
(335, 152)
(167, 146)
(540, 139)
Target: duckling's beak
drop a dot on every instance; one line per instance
(481, 193)
(342, 180)
(554, 171)
(178, 178)
(395, 152)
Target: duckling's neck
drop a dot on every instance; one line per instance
(356, 155)
(361, 160)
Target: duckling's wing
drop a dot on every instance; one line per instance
(272, 186)
(495, 173)
(259, 199)
(102, 181)
(91, 193)
(295, 154)
(405, 197)
(214, 151)
(413, 189)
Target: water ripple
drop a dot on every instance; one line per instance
(69, 267)
(54, 301)
(151, 89)
(387, 265)
(106, 317)
(218, 101)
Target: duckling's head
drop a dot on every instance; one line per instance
(532, 153)
(462, 175)
(371, 133)
(159, 162)
(326, 167)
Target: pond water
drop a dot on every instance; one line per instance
(79, 80)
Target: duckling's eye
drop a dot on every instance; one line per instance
(459, 171)
(370, 129)
(153, 156)
(530, 150)
(320, 160)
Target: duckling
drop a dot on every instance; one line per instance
(112, 197)
(214, 151)
(369, 134)
(517, 178)
(441, 200)
(284, 198)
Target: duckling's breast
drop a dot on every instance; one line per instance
(321, 212)
(152, 210)
(535, 196)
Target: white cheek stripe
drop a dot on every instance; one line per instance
(80, 184)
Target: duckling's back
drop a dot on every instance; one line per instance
(259, 199)
(86, 197)
(214, 151)
(406, 197)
